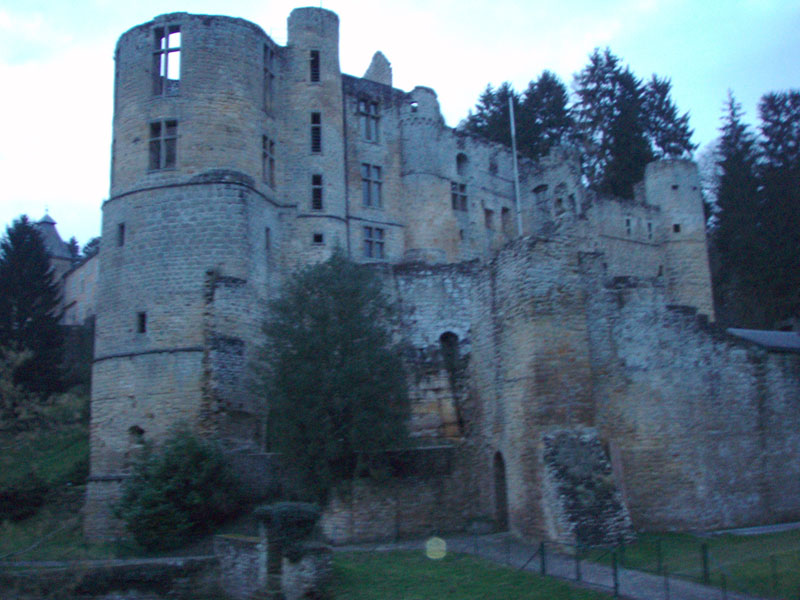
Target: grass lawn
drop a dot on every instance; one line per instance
(413, 576)
(767, 565)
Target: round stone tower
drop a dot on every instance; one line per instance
(432, 233)
(190, 232)
(674, 186)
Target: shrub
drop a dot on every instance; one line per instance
(179, 493)
(21, 496)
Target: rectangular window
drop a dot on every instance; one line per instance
(628, 227)
(649, 231)
(269, 77)
(458, 195)
(316, 192)
(373, 242)
(163, 141)
(368, 120)
(268, 161)
(676, 228)
(488, 218)
(318, 239)
(316, 132)
(313, 64)
(121, 234)
(505, 220)
(267, 240)
(371, 185)
(141, 322)
(167, 60)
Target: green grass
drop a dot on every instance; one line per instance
(767, 565)
(412, 576)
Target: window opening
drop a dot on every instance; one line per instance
(676, 228)
(674, 186)
(268, 161)
(121, 234)
(314, 65)
(559, 206)
(492, 166)
(167, 60)
(627, 227)
(318, 239)
(649, 230)
(505, 219)
(316, 192)
(267, 240)
(414, 106)
(163, 140)
(373, 242)
(488, 218)
(368, 119)
(269, 77)
(458, 195)
(371, 185)
(461, 163)
(141, 322)
(316, 132)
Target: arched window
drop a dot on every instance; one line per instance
(461, 163)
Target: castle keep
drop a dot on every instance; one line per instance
(580, 323)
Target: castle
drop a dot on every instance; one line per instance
(581, 323)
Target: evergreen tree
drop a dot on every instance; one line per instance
(29, 300)
(491, 118)
(779, 174)
(622, 124)
(669, 134)
(335, 382)
(738, 235)
(544, 119)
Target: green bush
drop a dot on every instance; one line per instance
(179, 493)
(22, 496)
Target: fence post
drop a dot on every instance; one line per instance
(615, 573)
(659, 557)
(704, 553)
(542, 561)
(773, 564)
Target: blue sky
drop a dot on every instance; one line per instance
(56, 65)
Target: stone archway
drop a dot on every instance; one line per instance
(500, 493)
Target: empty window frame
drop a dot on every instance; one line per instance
(628, 226)
(371, 185)
(267, 239)
(373, 242)
(505, 220)
(121, 234)
(458, 195)
(676, 228)
(316, 132)
(163, 142)
(268, 160)
(313, 65)
(368, 120)
(269, 77)
(141, 322)
(316, 192)
(167, 60)
(318, 239)
(488, 218)
(649, 230)
(461, 163)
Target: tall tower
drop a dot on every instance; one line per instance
(190, 233)
(674, 186)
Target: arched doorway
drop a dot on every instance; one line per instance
(500, 493)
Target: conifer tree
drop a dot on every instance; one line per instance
(491, 118)
(334, 380)
(738, 236)
(29, 300)
(544, 119)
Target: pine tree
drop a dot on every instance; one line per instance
(335, 382)
(544, 119)
(491, 119)
(669, 134)
(29, 301)
(779, 174)
(738, 235)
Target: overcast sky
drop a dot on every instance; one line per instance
(56, 67)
